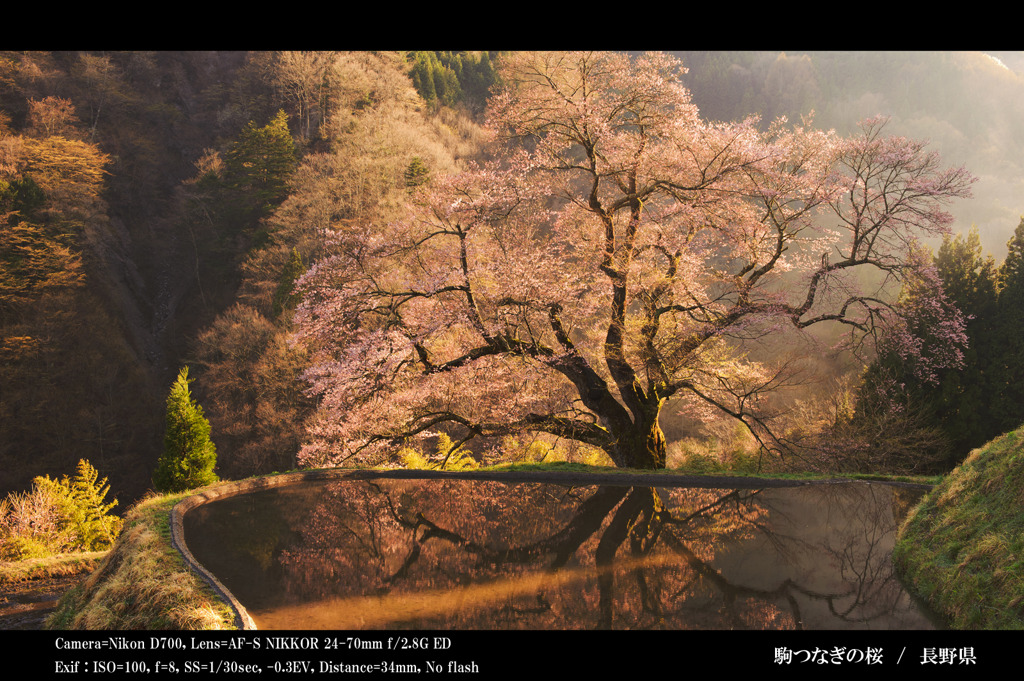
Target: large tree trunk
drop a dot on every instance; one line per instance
(642, 446)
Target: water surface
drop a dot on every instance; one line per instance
(458, 554)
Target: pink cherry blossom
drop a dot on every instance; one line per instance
(617, 253)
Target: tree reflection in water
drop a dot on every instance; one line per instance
(456, 554)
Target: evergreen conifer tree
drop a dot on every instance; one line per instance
(962, 399)
(1008, 397)
(260, 163)
(416, 173)
(189, 455)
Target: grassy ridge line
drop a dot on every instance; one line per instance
(143, 583)
(962, 547)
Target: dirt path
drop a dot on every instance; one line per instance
(26, 605)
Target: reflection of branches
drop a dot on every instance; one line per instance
(741, 502)
(563, 544)
(867, 559)
(863, 561)
(638, 520)
(735, 496)
(656, 552)
(731, 593)
(588, 519)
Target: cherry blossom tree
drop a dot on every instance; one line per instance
(616, 253)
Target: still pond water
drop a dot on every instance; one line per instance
(457, 554)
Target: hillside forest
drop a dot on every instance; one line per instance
(212, 210)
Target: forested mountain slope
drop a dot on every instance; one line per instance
(96, 272)
(139, 196)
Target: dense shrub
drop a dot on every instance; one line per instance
(58, 516)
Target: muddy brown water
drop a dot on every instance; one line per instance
(457, 554)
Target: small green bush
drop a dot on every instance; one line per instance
(15, 548)
(58, 516)
(82, 506)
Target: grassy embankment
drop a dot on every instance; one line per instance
(962, 547)
(143, 582)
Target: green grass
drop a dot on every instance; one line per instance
(962, 547)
